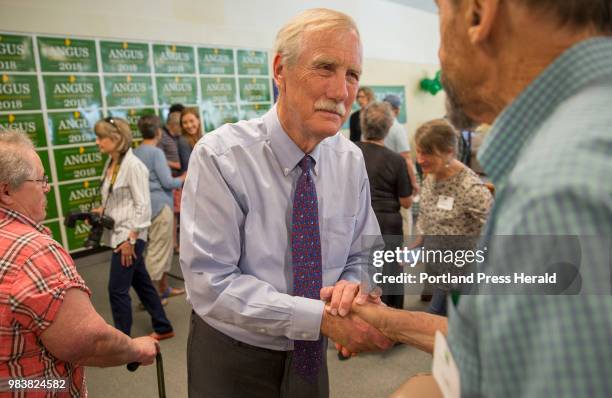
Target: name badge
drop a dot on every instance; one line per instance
(445, 202)
(444, 369)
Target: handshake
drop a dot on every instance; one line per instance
(354, 320)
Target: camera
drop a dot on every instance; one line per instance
(98, 223)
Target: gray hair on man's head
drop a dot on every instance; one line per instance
(15, 167)
(288, 39)
(376, 120)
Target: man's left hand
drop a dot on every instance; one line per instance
(340, 297)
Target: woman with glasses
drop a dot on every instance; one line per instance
(126, 199)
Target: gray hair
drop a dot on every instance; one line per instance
(15, 168)
(288, 39)
(376, 120)
(118, 130)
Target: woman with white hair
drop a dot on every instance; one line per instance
(126, 199)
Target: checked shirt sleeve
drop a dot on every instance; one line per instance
(40, 285)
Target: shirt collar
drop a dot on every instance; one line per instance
(283, 147)
(584, 63)
(20, 218)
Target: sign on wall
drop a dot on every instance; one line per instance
(380, 92)
(55, 89)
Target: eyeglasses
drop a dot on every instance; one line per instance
(44, 181)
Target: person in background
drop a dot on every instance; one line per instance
(43, 299)
(158, 258)
(454, 201)
(389, 185)
(365, 95)
(191, 128)
(397, 141)
(168, 142)
(169, 145)
(191, 133)
(126, 199)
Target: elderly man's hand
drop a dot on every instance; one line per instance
(372, 299)
(340, 297)
(353, 333)
(145, 348)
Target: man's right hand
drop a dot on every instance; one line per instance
(145, 350)
(353, 333)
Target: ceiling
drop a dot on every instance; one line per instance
(425, 5)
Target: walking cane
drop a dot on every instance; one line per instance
(161, 384)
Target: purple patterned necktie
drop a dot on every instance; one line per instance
(306, 259)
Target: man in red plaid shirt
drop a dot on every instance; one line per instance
(48, 328)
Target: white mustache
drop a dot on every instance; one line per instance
(330, 106)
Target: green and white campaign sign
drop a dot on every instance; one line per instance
(132, 115)
(254, 89)
(67, 55)
(218, 90)
(80, 162)
(79, 197)
(176, 89)
(72, 92)
(253, 111)
(215, 116)
(16, 54)
(216, 61)
(54, 227)
(74, 127)
(128, 90)
(252, 62)
(77, 235)
(28, 123)
(55, 89)
(173, 59)
(124, 57)
(19, 93)
(51, 205)
(380, 92)
(44, 158)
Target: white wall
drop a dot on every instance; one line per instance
(400, 43)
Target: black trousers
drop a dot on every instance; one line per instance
(220, 367)
(121, 278)
(391, 228)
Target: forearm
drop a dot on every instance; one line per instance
(110, 348)
(174, 165)
(415, 328)
(411, 173)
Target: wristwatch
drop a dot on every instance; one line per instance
(132, 241)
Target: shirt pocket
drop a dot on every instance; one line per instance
(336, 240)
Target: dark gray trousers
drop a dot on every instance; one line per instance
(221, 367)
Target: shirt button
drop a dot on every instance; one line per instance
(305, 335)
(262, 330)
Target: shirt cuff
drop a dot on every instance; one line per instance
(307, 315)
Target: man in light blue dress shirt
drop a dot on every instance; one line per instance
(236, 222)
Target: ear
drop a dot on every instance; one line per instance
(6, 198)
(279, 72)
(480, 17)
